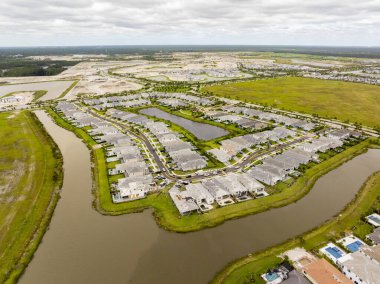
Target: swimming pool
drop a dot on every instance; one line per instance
(271, 276)
(335, 252)
(353, 247)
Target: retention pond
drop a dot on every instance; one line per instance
(202, 131)
(83, 246)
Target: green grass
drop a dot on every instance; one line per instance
(167, 215)
(242, 270)
(31, 176)
(345, 101)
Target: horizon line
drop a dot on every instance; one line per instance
(192, 45)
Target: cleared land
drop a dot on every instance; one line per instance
(250, 267)
(30, 179)
(345, 101)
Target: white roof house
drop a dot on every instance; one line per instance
(251, 184)
(199, 193)
(118, 151)
(360, 268)
(184, 204)
(133, 167)
(132, 188)
(215, 189)
(340, 134)
(233, 186)
(264, 176)
(221, 155)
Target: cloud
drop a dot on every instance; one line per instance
(80, 22)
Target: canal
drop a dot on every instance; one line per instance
(83, 246)
(202, 131)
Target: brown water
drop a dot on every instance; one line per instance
(83, 246)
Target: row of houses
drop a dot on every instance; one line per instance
(222, 190)
(279, 167)
(358, 261)
(115, 99)
(182, 153)
(184, 97)
(231, 147)
(308, 269)
(126, 104)
(173, 103)
(77, 117)
(355, 262)
(241, 121)
(137, 181)
(344, 77)
(201, 74)
(322, 144)
(268, 116)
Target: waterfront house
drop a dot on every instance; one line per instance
(216, 190)
(182, 201)
(199, 193)
(362, 266)
(322, 272)
(374, 237)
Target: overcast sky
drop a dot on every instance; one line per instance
(277, 22)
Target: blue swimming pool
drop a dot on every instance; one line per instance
(335, 252)
(353, 247)
(271, 276)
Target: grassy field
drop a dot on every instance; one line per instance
(250, 267)
(30, 179)
(167, 215)
(345, 101)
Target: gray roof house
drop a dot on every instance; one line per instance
(199, 193)
(215, 189)
(184, 204)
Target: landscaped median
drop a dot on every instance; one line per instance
(30, 178)
(252, 266)
(167, 215)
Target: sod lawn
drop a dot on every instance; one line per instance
(345, 101)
